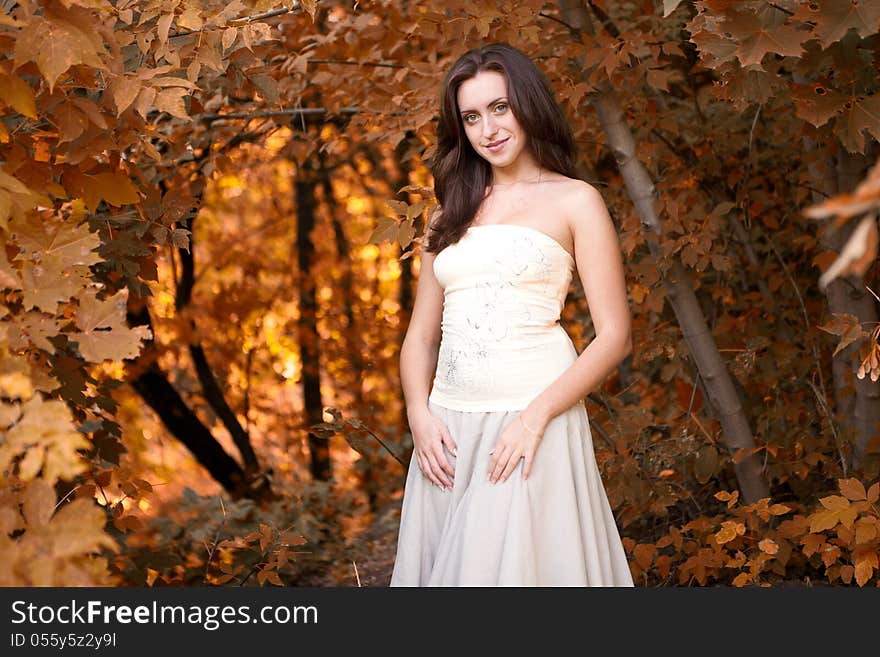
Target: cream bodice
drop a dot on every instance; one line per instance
(504, 286)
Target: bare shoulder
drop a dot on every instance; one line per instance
(584, 206)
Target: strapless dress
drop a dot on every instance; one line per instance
(504, 288)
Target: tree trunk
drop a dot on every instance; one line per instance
(353, 346)
(210, 386)
(309, 340)
(155, 389)
(737, 434)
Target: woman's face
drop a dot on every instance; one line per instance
(488, 121)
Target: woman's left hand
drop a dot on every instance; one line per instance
(518, 440)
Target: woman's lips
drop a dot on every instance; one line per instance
(497, 146)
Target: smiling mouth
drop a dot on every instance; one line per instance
(497, 143)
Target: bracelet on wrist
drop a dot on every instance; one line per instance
(528, 428)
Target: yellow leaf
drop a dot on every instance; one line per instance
(190, 19)
(228, 39)
(822, 520)
(866, 530)
(725, 535)
(57, 255)
(15, 380)
(116, 188)
(144, 101)
(151, 576)
(16, 199)
(9, 413)
(78, 528)
(94, 317)
(864, 570)
(847, 516)
(742, 579)
(54, 45)
(8, 276)
(18, 94)
(170, 100)
(778, 509)
(124, 90)
(38, 503)
(834, 502)
(47, 428)
(852, 489)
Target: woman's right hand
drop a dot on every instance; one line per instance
(429, 436)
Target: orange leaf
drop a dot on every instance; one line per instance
(822, 520)
(834, 502)
(769, 546)
(644, 554)
(852, 489)
(123, 91)
(18, 94)
(864, 570)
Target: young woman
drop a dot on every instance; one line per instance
(503, 487)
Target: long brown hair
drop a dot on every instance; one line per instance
(461, 175)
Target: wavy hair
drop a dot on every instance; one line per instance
(461, 176)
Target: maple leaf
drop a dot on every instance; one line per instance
(714, 48)
(817, 103)
(55, 549)
(8, 276)
(34, 328)
(859, 113)
(847, 326)
(57, 256)
(104, 334)
(123, 90)
(16, 199)
(18, 94)
(853, 489)
(15, 380)
(45, 438)
(834, 18)
(54, 45)
(115, 188)
(758, 35)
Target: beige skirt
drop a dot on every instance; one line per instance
(555, 529)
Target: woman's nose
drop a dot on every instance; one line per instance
(489, 126)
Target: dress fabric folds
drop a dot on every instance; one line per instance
(501, 345)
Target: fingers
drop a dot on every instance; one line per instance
(448, 441)
(443, 462)
(426, 470)
(504, 460)
(440, 477)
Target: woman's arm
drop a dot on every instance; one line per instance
(418, 361)
(418, 353)
(600, 267)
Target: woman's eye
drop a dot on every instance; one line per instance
(468, 118)
(504, 105)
